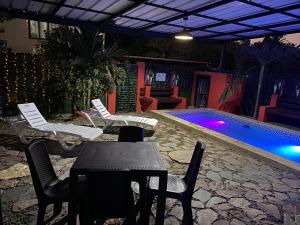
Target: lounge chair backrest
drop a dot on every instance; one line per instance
(100, 108)
(31, 113)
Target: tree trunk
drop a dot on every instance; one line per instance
(260, 80)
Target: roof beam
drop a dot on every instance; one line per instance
(240, 19)
(269, 8)
(199, 15)
(182, 15)
(84, 24)
(101, 12)
(57, 7)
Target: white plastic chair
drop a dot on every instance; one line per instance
(99, 111)
(31, 115)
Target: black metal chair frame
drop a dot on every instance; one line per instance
(189, 181)
(49, 189)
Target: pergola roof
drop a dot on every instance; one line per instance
(219, 20)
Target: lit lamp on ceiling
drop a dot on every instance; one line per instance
(184, 35)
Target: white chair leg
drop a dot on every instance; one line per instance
(89, 119)
(62, 142)
(18, 130)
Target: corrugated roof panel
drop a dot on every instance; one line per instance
(140, 24)
(150, 13)
(88, 3)
(295, 11)
(88, 16)
(104, 5)
(72, 2)
(75, 13)
(201, 33)
(192, 5)
(186, 5)
(166, 29)
(35, 6)
(232, 10)
(99, 17)
(63, 11)
(135, 23)
(120, 20)
(118, 5)
(47, 8)
(194, 21)
(276, 3)
(254, 33)
(288, 28)
(20, 4)
(268, 20)
(228, 28)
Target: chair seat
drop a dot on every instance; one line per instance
(88, 133)
(60, 190)
(175, 184)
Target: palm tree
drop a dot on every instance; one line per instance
(261, 55)
(84, 66)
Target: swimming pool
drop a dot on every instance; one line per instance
(280, 142)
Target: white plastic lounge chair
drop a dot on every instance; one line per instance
(99, 111)
(31, 114)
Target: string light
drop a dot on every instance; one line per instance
(7, 85)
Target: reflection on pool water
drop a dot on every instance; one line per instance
(280, 142)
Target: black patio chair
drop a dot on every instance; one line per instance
(109, 196)
(48, 188)
(178, 188)
(135, 134)
(131, 134)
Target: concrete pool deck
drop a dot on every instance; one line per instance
(233, 188)
(278, 161)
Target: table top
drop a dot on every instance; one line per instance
(119, 156)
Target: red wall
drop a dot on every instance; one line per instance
(218, 82)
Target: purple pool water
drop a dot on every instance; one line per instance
(277, 141)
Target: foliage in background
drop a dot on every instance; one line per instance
(27, 79)
(262, 63)
(85, 69)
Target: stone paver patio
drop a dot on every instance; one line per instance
(233, 188)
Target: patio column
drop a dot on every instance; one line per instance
(140, 84)
(111, 101)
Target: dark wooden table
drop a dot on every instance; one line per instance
(141, 158)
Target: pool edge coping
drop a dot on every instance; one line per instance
(276, 161)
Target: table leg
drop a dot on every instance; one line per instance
(72, 201)
(143, 198)
(161, 201)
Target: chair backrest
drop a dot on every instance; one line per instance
(109, 194)
(100, 108)
(194, 166)
(131, 134)
(31, 113)
(40, 166)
